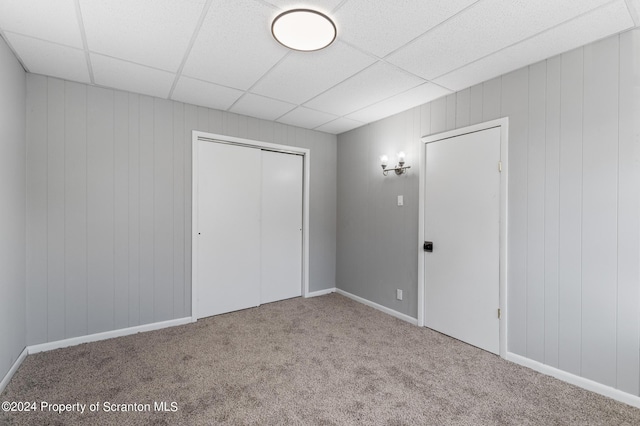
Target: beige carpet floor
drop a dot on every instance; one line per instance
(320, 361)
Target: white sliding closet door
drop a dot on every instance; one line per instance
(249, 227)
(228, 228)
(281, 230)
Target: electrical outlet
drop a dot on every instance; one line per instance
(398, 294)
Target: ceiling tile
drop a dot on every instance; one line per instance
(303, 75)
(54, 21)
(424, 93)
(261, 107)
(600, 23)
(136, 78)
(339, 125)
(323, 6)
(201, 93)
(477, 72)
(484, 28)
(307, 118)
(634, 9)
(377, 27)
(41, 57)
(372, 85)
(234, 47)
(155, 33)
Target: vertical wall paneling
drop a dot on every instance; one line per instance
(439, 115)
(291, 135)
(147, 212)
(535, 211)
(388, 209)
(628, 344)
(75, 209)
(305, 138)
(163, 208)
(36, 259)
(331, 187)
(570, 214)
(352, 205)
(279, 132)
(514, 104)
(190, 123)
(100, 209)
(475, 104)
(451, 111)
(425, 120)
(253, 128)
(491, 99)
(55, 211)
(242, 126)
(319, 195)
(463, 108)
(411, 213)
(346, 225)
(267, 131)
(109, 205)
(600, 216)
(134, 210)
(121, 209)
(179, 210)
(203, 118)
(378, 233)
(230, 124)
(372, 219)
(574, 206)
(13, 164)
(551, 210)
(389, 142)
(215, 121)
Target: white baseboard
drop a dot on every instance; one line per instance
(7, 377)
(374, 305)
(581, 382)
(321, 292)
(43, 347)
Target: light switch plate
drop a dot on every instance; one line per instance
(400, 200)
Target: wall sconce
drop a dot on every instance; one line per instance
(400, 168)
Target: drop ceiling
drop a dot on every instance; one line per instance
(388, 56)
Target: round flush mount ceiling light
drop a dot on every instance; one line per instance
(303, 29)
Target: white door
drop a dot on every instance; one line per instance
(249, 236)
(228, 228)
(281, 230)
(462, 220)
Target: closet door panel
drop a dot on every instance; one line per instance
(228, 228)
(281, 230)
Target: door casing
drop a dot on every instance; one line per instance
(503, 124)
(211, 137)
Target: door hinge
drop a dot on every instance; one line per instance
(500, 166)
(499, 313)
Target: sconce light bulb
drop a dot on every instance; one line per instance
(401, 156)
(384, 160)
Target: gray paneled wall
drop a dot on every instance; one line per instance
(574, 211)
(376, 238)
(12, 209)
(109, 205)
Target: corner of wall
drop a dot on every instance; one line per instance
(13, 198)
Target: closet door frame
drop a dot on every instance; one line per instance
(198, 136)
